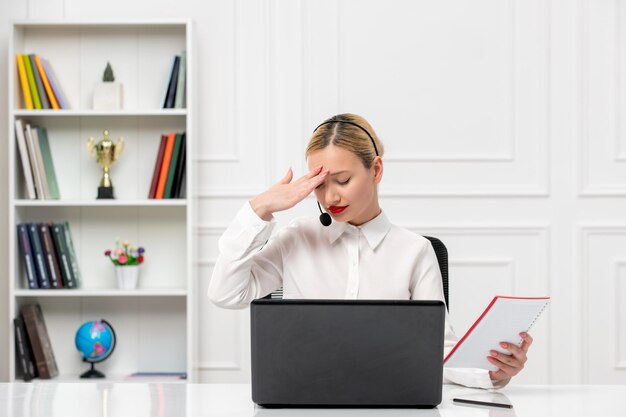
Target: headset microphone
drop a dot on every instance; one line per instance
(325, 218)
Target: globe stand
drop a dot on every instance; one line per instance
(92, 373)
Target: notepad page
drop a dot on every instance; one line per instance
(503, 322)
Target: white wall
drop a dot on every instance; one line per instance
(501, 120)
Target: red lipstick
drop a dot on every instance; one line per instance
(337, 209)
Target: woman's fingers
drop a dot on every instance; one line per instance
(527, 340)
(287, 178)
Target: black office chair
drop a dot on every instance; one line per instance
(442, 259)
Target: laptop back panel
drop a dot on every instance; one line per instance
(364, 353)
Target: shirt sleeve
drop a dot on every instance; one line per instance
(249, 264)
(427, 285)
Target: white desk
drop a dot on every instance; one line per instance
(51, 399)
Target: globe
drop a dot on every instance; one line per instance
(95, 340)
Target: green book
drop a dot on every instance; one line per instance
(169, 183)
(31, 82)
(71, 253)
(46, 155)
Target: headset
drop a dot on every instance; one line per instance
(325, 218)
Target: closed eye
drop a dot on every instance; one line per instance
(343, 182)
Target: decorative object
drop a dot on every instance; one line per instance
(95, 340)
(106, 152)
(126, 259)
(108, 94)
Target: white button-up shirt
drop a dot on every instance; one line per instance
(376, 260)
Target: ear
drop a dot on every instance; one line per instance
(377, 168)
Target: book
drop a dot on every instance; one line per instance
(169, 182)
(46, 84)
(165, 166)
(170, 97)
(25, 159)
(23, 351)
(54, 84)
(21, 71)
(45, 103)
(48, 165)
(502, 321)
(179, 101)
(157, 167)
(39, 341)
(180, 167)
(72, 253)
(38, 255)
(39, 160)
(27, 256)
(63, 256)
(56, 281)
(30, 144)
(31, 82)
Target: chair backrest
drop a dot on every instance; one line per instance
(442, 259)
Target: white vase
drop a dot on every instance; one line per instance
(127, 277)
(107, 96)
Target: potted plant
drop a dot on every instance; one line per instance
(108, 94)
(126, 259)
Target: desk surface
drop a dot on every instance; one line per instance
(190, 400)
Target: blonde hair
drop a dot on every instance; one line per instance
(347, 136)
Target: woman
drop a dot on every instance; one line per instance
(359, 255)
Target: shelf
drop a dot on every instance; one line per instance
(99, 113)
(110, 378)
(174, 202)
(104, 292)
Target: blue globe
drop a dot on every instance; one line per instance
(95, 340)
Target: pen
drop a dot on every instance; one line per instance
(475, 402)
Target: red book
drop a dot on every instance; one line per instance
(165, 166)
(157, 167)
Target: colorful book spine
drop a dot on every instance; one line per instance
(171, 88)
(28, 99)
(40, 166)
(72, 253)
(167, 158)
(169, 183)
(45, 104)
(39, 340)
(46, 83)
(27, 256)
(56, 280)
(25, 159)
(40, 261)
(157, 167)
(179, 101)
(180, 167)
(54, 84)
(31, 82)
(58, 235)
(48, 165)
(23, 351)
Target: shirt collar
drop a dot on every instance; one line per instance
(374, 231)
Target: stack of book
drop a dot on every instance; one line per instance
(33, 349)
(174, 97)
(168, 178)
(48, 255)
(40, 87)
(36, 158)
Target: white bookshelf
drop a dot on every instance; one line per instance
(152, 322)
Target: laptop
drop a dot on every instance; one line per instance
(347, 353)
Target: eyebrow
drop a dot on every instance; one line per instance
(337, 173)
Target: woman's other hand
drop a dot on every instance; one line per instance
(511, 364)
(286, 194)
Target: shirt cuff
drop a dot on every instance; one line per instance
(470, 377)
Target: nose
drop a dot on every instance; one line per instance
(332, 197)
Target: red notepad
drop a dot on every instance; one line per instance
(502, 321)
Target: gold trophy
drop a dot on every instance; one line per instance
(106, 152)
